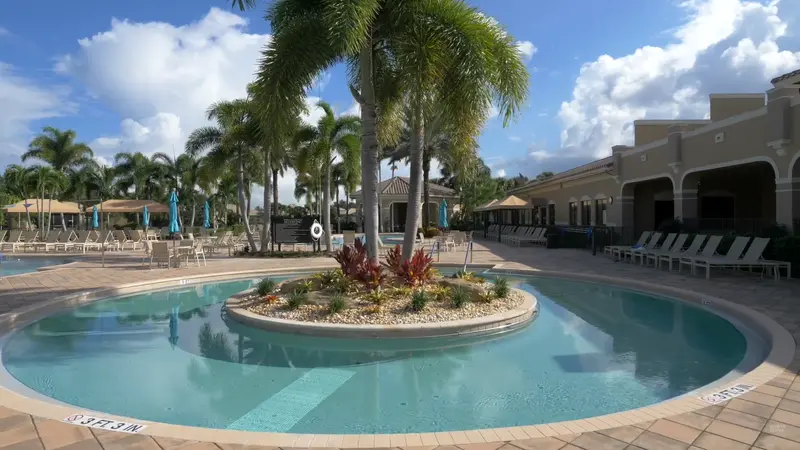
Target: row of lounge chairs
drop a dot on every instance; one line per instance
(744, 253)
(518, 234)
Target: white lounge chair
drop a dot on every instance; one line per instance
(161, 254)
(616, 250)
(692, 250)
(677, 245)
(730, 258)
(650, 245)
(14, 238)
(667, 244)
(51, 241)
(751, 258)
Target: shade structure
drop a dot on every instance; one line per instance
(95, 218)
(132, 206)
(443, 214)
(486, 205)
(46, 205)
(173, 213)
(146, 216)
(510, 202)
(206, 215)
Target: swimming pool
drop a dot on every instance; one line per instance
(13, 265)
(173, 357)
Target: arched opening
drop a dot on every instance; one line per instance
(739, 198)
(652, 204)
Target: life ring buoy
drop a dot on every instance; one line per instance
(316, 230)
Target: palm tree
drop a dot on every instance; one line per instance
(436, 143)
(319, 146)
(396, 51)
(58, 149)
(227, 143)
(18, 183)
(181, 174)
(48, 181)
(138, 174)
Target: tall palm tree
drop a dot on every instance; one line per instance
(436, 144)
(58, 149)
(226, 144)
(18, 183)
(180, 173)
(48, 181)
(321, 145)
(138, 176)
(396, 51)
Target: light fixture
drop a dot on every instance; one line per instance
(610, 200)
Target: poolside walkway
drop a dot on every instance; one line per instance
(767, 418)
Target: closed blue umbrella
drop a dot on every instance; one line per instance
(95, 218)
(206, 216)
(173, 213)
(145, 217)
(443, 214)
(173, 326)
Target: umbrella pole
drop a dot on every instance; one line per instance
(102, 244)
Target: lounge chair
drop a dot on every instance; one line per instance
(730, 258)
(198, 252)
(675, 247)
(693, 249)
(654, 248)
(652, 244)
(515, 233)
(13, 238)
(751, 258)
(161, 254)
(518, 239)
(3, 236)
(27, 239)
(51, 241)
(539, 236)
(616, 250)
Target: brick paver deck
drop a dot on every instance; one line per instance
(767, 418)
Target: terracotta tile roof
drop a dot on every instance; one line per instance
(785, 76)
(600, 163)
(400, 186)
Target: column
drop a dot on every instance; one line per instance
(686, 205)
(787, 201)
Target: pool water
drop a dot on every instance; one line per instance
(12, 265)
(174, 356)
(386, 238)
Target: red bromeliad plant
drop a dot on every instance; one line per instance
(394, 259)
(351, 258)
(371, 274)
(417, 270)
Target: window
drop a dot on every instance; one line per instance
(586, 213)
(551, 214)
(600, 208)
(573, 213)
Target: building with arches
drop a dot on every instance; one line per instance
(737, 170)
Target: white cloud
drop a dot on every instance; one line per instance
(493, 112)
(723, 46)
(23, 102)
(321, 81)
(526, 49)
(514, 138)
(500, 173)
(161, 78)
(353, 110)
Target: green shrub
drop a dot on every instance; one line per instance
(431, 232)
(500, 288)
(296, 299)
(376, 297)
(329, 277)
(305, 287)
(336, 303)
(265, 287)
(419, 299)
(343, 285)
(788, 249)
(459, 296)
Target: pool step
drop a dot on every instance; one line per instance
(288, 406)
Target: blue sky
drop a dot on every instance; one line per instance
(142, 82)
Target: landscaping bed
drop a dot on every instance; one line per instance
(395, 292)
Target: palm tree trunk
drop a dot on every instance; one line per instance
(369, 150)
(338, 212)
(326, 211)
(415, 185)
(63, 223)
(243, 205)
(347, 211)
(28, 213)
(426, 172)
(274, 192)
(50, 210)
(194, 211)
(266, 213)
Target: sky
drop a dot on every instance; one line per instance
(138, 76)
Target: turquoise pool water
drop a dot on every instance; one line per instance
(13, 265)
(174, 357)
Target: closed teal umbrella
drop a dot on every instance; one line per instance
(173, 213)
(145, 217)
(206, 215)
(443, 214)
(95, 219)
